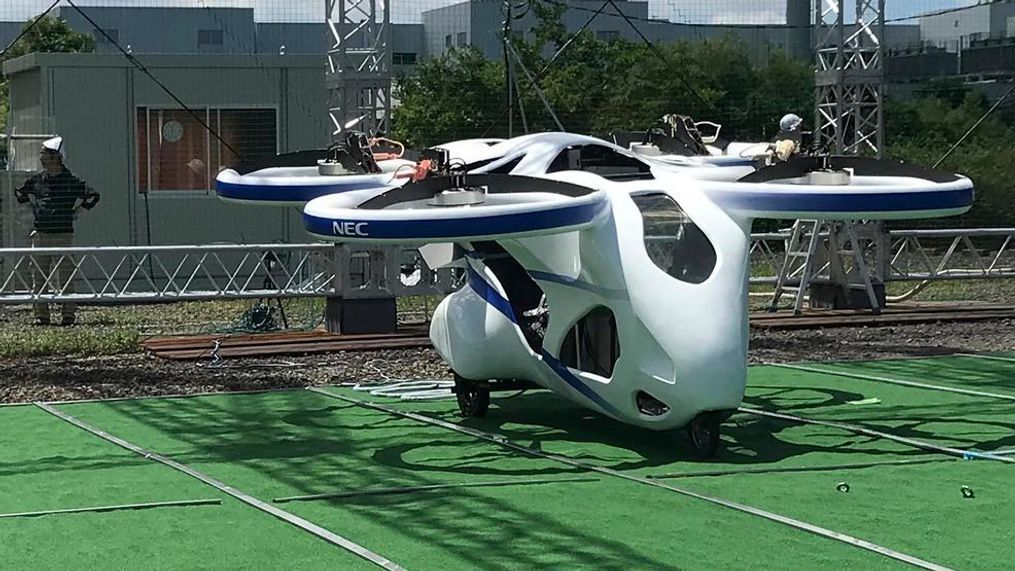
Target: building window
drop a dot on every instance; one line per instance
(462, 39)
(176, 152)
(447, 41)
(403, 58)
(102, 40)
(608, 35)
(209, 38)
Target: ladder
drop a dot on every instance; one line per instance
(805, 242)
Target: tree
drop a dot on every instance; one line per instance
(455, 96)
(920, 130)
(600, 87)
(46, 35)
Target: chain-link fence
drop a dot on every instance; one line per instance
(172, 92)
(158, 96)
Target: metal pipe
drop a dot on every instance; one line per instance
(283, 515)
(786, 469)
(120, 507)
(429, 488)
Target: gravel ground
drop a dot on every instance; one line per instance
(71, 378)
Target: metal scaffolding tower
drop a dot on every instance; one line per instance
(842, 264)
(849, 77)
(358, 74)
(358, 80)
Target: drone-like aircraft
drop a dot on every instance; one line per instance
(605, 276)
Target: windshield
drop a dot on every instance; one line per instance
(673, 241)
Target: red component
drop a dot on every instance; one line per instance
(423, 168)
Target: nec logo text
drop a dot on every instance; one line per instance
(349, 228)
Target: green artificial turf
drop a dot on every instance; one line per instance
(968, 373)
(291, 443)
(230, 536)
(917, 509)
(613, 524)
(47, 464)
(938, 417)
(553, 424)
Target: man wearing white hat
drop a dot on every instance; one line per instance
(56, 196)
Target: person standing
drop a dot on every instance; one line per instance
(56, 196)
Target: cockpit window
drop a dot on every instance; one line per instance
(601, 160)
(673, 241)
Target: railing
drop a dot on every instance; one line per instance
(919, 255)
(194, 273)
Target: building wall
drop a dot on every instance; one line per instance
(298, 38)
(488, 22)
(1002, 20)
(9, 31)
(168, 30)
(901, 35)
(307, 38)
(443, 23)
(945, 30)
(27, 103)
(92, 100)
(482, 21)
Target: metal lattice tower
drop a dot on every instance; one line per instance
(826, 259)
(358, 74)
(849, 77)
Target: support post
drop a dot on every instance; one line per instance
(358, 80)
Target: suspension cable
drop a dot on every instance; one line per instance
(546, 67)
(141, 67)
(28, 28)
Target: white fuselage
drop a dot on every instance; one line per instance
(683, 343)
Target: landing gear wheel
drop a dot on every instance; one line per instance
(704, 434)
(473, 398)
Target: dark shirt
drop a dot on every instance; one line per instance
(53, 198)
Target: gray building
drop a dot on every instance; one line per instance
(154, 163)
(167, 30)
(220, 30)
(479, 23)
(407, 47)
(960, 28)
(9, 31)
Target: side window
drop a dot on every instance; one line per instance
(673, 241)
(600, 160)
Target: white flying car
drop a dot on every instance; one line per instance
(613, 280)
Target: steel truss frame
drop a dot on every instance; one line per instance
(358, 72)
(194, 273)
(849, 78)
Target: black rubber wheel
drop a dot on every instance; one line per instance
(473, 398)
(704, 434)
